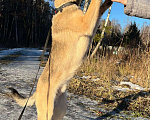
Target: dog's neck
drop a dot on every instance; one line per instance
(58, 3)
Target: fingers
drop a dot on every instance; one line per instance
(120, 1)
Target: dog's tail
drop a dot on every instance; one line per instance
(20, 99)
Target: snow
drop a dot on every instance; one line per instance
(121, 89)
(4, 53)
(132, 86)
(86, 77)
(9, 51)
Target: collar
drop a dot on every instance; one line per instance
(60, 9)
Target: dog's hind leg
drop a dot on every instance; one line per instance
(57, 102)
(60, 107)
(50, 102)
(41, 100)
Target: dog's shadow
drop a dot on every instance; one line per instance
(123, 105)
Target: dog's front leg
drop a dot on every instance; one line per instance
(93, 14)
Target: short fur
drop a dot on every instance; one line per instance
(72, 32)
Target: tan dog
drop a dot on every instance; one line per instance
(72, 32)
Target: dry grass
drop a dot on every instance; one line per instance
(111, 70)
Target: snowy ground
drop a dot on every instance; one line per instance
(21, 73)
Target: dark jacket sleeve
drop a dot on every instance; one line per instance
(138, 8)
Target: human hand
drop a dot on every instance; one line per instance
(120, 1)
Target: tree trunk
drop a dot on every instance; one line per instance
(11, 29)
(16, 31)
(102, 34)
(85, 6)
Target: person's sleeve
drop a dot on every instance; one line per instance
(138, 8)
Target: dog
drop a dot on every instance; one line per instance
(72, 33)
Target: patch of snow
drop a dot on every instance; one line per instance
(95, 79)
(83, 77)
(133, 86)
(29, 51)
(9, 51)
(86, 77)
(121, 89)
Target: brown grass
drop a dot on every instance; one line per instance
(111, 70)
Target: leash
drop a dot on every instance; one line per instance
(29, 94)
